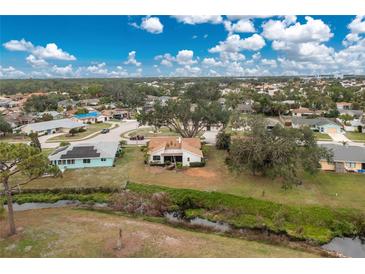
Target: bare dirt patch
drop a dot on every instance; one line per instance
(200, 172)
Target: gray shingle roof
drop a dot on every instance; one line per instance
(312, 122)
(346, 153)
(90, 150)
(61, 123)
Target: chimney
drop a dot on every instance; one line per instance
(179, 140)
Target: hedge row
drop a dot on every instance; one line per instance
(313, 223)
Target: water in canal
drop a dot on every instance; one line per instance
(350, 247)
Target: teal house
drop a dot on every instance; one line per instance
(101, 154)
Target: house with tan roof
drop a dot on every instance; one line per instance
(301, 112)
(164, 150)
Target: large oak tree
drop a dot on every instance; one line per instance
(280, 152)
(186, 118)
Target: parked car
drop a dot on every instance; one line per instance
(137, 137)
(105, 130)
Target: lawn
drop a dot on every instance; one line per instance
(14, 138)
(322, 136)
(356, 136)
(147, 132)
(90, 129)
(326, 189)
(80, 233)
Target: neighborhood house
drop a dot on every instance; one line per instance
(166, 150)
(51, 127)
(90, 118)
(322, 125)
(100, 154)
(345, 158)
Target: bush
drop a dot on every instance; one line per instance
(197, 164)
(155, 204)
(312, 223)
(81, 129)
(223, 140)
(64, 143)
(179, 165)
(156, 164)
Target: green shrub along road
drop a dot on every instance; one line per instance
(313, 223)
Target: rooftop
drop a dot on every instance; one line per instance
(61, 123)
(80, 151)
(312, 122)
(93, 114)
(346, 153)
(192, 145)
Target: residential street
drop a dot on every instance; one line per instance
(112, 135)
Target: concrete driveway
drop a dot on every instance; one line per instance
(339, 137)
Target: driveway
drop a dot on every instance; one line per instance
(339, 137)
(210, 136)
(112, 135)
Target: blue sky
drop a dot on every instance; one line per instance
(124, 46)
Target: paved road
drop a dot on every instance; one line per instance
(112, 135)
(128, 125)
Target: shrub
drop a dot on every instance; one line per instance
(81, 129)
(316, 224)
(156, 164)
(197, 164)
(64, 143)
(155, 204)
(179, 165)
(223, 140)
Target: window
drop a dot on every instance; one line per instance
(86, 161)
(103, 159)
(351, 164)
(59, 162)
(156, 158)
(188, 159)
(63, 162)
(70, 162)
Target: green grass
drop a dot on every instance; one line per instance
(90, 129)
(67, 232)
(147, 132)
(356, 136)
(324, 189)
(318, 224)
(14, 138)
(322, 136)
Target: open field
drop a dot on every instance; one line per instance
(326, 189)
(322, 136)
(356, 136)
(79, 233)
(90, 129)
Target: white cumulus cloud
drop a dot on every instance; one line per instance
(132, 59)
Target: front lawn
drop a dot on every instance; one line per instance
(14, 138)
(147, 132)
(90, 129)
(356, 136)
(322, 136)
(326, 189)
